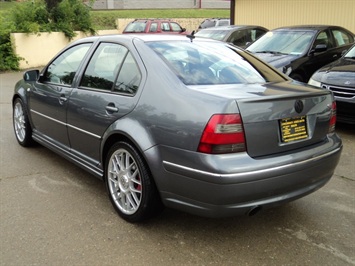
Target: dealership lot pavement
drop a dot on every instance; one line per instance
(54, 213)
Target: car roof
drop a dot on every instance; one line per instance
(144, 37)
(307, 27)
(217, 19)
(151, 19)
(231, 27)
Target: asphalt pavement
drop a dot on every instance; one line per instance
(54, 213)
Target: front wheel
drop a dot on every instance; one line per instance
(22, 127)
(129, 184)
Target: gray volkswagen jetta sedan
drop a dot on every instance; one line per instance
(195, 125)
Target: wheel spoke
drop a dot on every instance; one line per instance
(124, 181)
(19, 122)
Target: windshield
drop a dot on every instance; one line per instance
(350, 53)
(198, 63)
(213, 34)
(285, 42)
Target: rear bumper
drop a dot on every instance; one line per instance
(222, 186)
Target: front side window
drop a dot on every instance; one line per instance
(104, 66)
(322, 38)
(256, 34)
(239, 37)
(63, 69)
(198, 64)
(175, 27)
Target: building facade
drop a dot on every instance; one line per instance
(277, 13)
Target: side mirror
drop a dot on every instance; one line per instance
(320, 48)
(31, 75)
(183, 29)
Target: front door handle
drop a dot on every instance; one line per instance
(63, 99)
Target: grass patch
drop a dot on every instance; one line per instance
(5, 6)
(105, 19)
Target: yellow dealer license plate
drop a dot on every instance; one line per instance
(293, 129)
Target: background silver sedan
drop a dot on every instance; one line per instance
(196, 125)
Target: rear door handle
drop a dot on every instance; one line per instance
(111, 109)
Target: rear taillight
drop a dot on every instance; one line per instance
(333, 118)
(223, 134)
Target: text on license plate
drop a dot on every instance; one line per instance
(293, 129)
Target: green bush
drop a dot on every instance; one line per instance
(67, 16)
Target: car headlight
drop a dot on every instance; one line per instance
(314, 82)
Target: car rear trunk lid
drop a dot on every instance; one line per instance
(279, 122)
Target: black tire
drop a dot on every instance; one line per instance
(297, 77)
(129, 184)
(21, 124)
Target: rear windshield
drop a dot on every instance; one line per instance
(213, 34)
(201, 63)
(207, 24)
(138, 26)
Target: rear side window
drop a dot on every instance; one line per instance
(165, 26)
(129, 77)
(112, 68)
(153, 27)
(63, 69)
(208, 24)
(341, 37)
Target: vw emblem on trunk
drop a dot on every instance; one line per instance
(299, 106)
(347, 83)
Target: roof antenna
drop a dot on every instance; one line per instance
(191, 36)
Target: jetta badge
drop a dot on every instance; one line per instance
(299, 106)
(347, 83)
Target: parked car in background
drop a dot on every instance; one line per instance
(239, 35)
(339, 77)
(154, 26)
(193, 124)
(298, 51)
(213, 22)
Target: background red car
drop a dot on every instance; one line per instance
(154, 26)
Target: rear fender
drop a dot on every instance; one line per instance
(130, 129)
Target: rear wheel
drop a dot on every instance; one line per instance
(22, 127)
(129, 184)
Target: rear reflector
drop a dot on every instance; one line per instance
(333, 118)
(223, 134)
